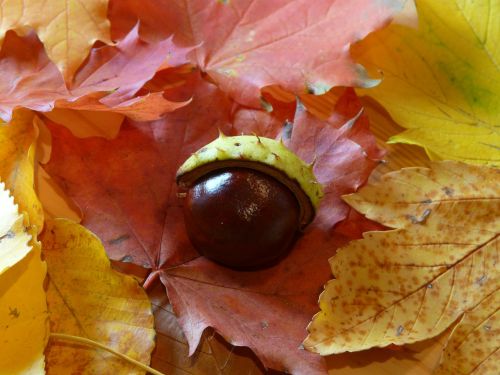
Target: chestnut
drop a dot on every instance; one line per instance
(246, 198)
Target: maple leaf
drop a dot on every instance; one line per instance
(140, 108)
(214, 355)
(441, 82)
(83, 123)
(247, 45)
(88, 299)
(412, 283)
(17, 153)
(124, 68)
(23, 316)
(150, 152)
(108, 81)
(67, 28)
(29, 79)
(132, 204)
(154, 17)
(334, 152)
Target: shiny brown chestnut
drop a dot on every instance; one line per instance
(246, 198)
(241, 218)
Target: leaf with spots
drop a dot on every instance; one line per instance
(86, 298)
(23, 315)
(442, 81)
(126, 188)
(412, 283)
(410, 195)
(473, 345)
(302, 45)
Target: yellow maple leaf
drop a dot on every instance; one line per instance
(86, 298)
(442, 81)
(23, 309)
(17, 155)
(410, 284)
(67, 28)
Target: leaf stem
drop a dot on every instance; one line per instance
(150, 280)
(95, 344)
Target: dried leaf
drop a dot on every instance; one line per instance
(23, 316)
(83, 123)
(55, 202)
(412, 194)
(335, 146)
(214, 356)
(247, 45)
(29, 79)
(130, 200)
(140, 170)
(67, 28)
(412, 283)
(473, 345)
(123, 69)
(88, 299)
(17, 156)
(149, 107)
(108, 81)
(442, 81)
(155, 18)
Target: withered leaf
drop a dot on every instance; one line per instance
(86, 298)
(412, 283)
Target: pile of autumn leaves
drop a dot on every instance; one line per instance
(103, 102)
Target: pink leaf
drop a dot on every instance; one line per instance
(28, 78)
(124, 68)
(245, 45)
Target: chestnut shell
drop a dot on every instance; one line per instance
(241, 218)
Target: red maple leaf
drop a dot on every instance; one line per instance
(245, 45)
(123, 69)
(108, 80)
(28, 79)
(126, 189)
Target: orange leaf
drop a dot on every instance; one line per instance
(67, 28)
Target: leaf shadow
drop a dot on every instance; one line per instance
(422, 354)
